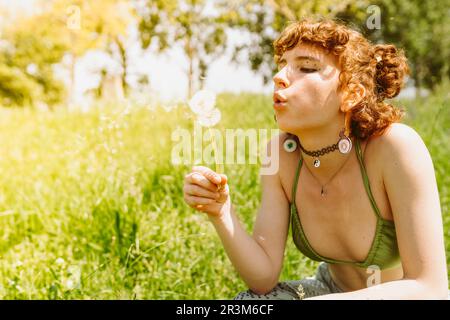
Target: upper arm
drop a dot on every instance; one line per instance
(272, 221)
(410, 183)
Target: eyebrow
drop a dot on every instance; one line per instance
(299, 58)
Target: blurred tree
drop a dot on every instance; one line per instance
(260, 21)
(32, 45)
(192, 23)
(30, 48)
(16, 88)
(100, 24)
(421, 28)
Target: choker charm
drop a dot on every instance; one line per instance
(344, 144)
(316, 163)
(290, 145)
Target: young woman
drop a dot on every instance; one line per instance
(357, 187)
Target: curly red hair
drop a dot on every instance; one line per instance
(379, 68)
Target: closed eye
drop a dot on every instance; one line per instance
(308, 70)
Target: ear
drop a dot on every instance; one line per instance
(353, 97)
(360, 92)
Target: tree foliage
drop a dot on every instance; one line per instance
(31, 46)
(420, 28)
(193, 24)
(103, 25)
(262, 20)
(30, 49)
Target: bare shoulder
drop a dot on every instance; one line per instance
(401, 134)
(399, 141)
(400, 145)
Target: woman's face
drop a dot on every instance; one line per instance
(306, 89)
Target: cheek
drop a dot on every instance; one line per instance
(309, 92)
(325, 93)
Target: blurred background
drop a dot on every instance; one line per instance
(91, 206)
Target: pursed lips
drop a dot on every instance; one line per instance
(279, 101)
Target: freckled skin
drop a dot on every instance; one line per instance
(309, 86)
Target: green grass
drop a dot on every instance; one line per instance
(91, 206)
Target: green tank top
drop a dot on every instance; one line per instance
(384, 251)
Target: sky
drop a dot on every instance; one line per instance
(167, 77)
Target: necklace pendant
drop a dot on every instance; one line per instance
(322, 193)
(316, 163)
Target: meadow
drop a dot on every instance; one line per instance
(91, 206)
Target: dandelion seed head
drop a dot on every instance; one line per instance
(210, 119)
(202, 102)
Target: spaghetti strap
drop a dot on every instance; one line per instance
(297, 174)
(366, 179)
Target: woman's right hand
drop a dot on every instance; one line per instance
(207, 191)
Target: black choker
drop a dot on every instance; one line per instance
(344, 145)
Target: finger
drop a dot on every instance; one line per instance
(224, 194)
(194, 201)
(208, 173)
(194, 190)
(224, 179)
(198, 179)
(201, 207)
(223, 182)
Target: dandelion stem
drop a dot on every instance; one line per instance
(218, 166)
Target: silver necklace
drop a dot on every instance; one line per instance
(344, 145)
(323, 192)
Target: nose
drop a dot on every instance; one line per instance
(280, 80)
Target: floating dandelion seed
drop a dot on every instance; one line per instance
(235, 4)
(169, 108)
(70, 284)
(126, 111)
(18, 264)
